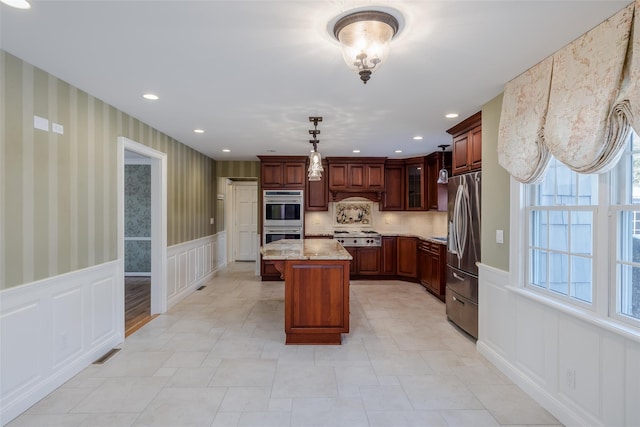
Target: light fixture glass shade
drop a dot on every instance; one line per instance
(18, 4)
(315, 166)
(365, 37)
(443, 176)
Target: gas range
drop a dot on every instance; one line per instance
(358, 237)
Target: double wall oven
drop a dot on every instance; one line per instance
(282, 215)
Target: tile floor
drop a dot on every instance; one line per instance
(218, 359)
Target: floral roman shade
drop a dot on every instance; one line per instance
(590, 86)
(521, 147)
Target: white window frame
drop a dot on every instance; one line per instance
(602, 310)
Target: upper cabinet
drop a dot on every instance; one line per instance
(283, 172)
(348, 175)
(415, 184)
(393, 196)
(437, 195)
(467, 145)
(316, 193)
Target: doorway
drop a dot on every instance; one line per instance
(130, 151)
(242, 212)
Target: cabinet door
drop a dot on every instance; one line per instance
(424, 266)
(415, 200)
(435, 274)
(317, 193)
(388, 255)
(475, 148)
(433, 169)
(460, 154)
(294, 175)
(369, 261)
(393, 197)
(271, 174)
(338, 176)
(357, 179)
(407, 257)
(375, 177)
(353, 265)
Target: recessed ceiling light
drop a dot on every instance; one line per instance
(18, 4)
(226, 150)
(198, 130)
(356, 151)
(150, 96)
(398, 151)
(451, 115)
(417, 138)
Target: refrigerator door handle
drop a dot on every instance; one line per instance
(457, 276)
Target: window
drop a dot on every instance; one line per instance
(626, 225)
(565, 215)
(561, 212)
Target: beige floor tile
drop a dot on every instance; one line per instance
(109, 420)
(510, 405)
(182, 407)
(246, 399)
(323, 412)
(121, 395)
(385, 398)
(467, 418)
(244, 372)
(49, 420)
(264, 419)
(434, 392)
(304, 381)
(406, 419)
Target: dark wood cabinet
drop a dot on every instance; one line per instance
(437, 193)
(407, 257)
(283, 172)
(354, 262)
(368, 261)
(388, 254)
(356, 175)
(393, 197)
(432, 267)
(467, 145)
(415, 184)
(316, 195)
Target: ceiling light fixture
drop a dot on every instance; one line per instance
(398, 151)
(315, 160)
(451, 115)
(356, 151)
(443, 175)
(150, 96)
(417, 138)
(365, 37)
(18, 4)
(198, 130)
(226, 150)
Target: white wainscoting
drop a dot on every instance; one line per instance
(582, 372)
(191, 264)
(53, 328)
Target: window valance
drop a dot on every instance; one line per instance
(586, 121)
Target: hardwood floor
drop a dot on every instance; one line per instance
(137, 303)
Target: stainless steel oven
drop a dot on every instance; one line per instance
(282, 208)
(272, 234)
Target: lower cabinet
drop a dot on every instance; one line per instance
(407, 257)
(432, 267)
(388, 256)
(365, 262)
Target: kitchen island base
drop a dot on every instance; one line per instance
(316, 301)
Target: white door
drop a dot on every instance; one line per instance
(245, 217)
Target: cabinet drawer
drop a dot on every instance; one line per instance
(463, 312)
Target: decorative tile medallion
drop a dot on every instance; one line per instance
(353, 213)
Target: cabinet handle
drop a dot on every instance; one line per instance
(457, 300)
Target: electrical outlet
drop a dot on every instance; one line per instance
(211, 221)
(499, 236)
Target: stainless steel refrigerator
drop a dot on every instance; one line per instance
(463, 251)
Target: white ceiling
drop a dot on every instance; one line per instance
(251, 72)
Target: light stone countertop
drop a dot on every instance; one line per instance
(311, 249)
(438, 240)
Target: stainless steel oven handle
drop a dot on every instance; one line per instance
(283, 230)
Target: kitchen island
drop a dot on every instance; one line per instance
(316, 288)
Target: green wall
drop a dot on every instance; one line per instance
(495, 190)
(58, 193)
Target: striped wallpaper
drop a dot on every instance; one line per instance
(232, 169)
(58, 192)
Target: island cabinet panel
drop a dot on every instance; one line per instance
(388, 255)
(316, 301)
(407, 261)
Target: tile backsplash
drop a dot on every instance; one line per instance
(424, 224)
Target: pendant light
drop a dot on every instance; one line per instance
(443, 175)
(315, 160)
